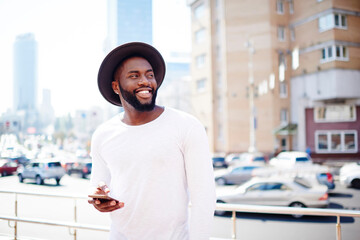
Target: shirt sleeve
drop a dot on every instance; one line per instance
(201, 183)
(99, 172)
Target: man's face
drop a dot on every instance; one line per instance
(137, 84)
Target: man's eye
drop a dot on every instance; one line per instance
(133, 76)
(151, 75)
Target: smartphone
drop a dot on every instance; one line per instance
(102, 197)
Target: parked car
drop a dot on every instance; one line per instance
(41, 170)
(290, 159)
(219, 161)
(236, 175)
(7, 167)
(80, 167)
(314, 173)
(327, 179)
(277, 191)
(86, 170)
(349, 175)
(245, 158)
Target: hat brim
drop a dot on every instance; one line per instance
(116, 56)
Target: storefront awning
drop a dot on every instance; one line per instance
(284, 130)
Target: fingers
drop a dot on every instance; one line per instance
(103, 187)
(106, 206)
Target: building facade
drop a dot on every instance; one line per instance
(278, 75)
(325, 81)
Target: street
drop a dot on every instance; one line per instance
(249, 226)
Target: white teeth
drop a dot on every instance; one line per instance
(144, 91)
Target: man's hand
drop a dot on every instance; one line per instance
(107, 204)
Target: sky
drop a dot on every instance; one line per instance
(70, 36)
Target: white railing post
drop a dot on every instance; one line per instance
(233, 218)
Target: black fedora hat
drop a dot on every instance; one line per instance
(116, 56)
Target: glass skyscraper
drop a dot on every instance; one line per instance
(25, 72)
(26, 82)
(129, 21)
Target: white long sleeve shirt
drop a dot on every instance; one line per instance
(156, 169)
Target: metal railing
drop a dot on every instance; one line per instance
(71, 225)
(286, 210)
(234, 208)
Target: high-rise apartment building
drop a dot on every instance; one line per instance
(278, 75)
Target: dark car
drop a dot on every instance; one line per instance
(219, 162)
(7, 167)
(80, 167)
(86, 170)
(326, 179)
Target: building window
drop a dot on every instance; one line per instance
(272, 81)
(332, 20)
(283, 116)
(220, 135)
(282, 60)
(199, 11)
(281, 33)
(200, 61)
(340, 20)
(295, 58)
(280, 6)
(336, 141)
(218, 53)
(283, 90)
(291, 6)
(200, 35)
(200, 85)
(292, 34)
(220, 104)
(263, 87)
(219, 80)
(334, 52)
(335, 113)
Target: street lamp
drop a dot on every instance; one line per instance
(251, 50)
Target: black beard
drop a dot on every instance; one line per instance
(130, 97)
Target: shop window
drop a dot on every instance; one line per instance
(336, 141)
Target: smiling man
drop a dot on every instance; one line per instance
(151, 160)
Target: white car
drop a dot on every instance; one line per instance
(277, 191)
(349, 175)
(290, 159)
(234, 159)
(41, 170)
(235, 175)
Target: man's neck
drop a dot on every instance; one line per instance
(134, 117)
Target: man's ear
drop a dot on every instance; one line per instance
(115, 87)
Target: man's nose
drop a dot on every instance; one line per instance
(144, 81)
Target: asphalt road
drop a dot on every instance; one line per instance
(249, 226)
